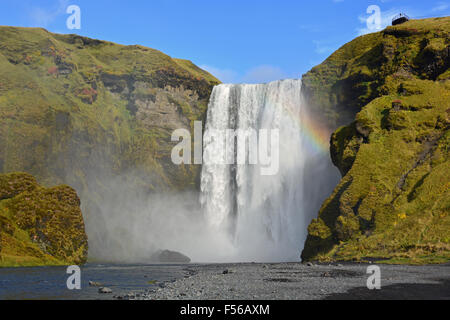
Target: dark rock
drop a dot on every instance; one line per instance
(363, 129)
(167, 256)
(397, 105)
(130, 296)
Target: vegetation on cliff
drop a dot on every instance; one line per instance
(68, 103)
(86, 112)
(393, 201)
(39, 226)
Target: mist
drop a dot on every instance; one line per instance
(131, 225)
(237, 215)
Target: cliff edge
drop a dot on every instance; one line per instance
(391, 89)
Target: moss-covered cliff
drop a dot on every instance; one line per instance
(93, 114)
(393, 201)
(39, 226)
(69, 103)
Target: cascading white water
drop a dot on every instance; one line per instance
(265, 216)
(249, 216)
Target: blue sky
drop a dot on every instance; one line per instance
(238, 41)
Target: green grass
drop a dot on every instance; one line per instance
(39, 226)
(393, 202)
(77, 111)
(103, 79)
(193, 69)
(355, 74)
(70, 106)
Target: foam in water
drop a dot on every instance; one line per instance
(264, 217)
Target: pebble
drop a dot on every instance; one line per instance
(94, 284)
(256, 282)
(104, 290)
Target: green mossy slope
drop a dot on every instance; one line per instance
(393, 201)
(94, 114)
(39, 226)
(68, 103)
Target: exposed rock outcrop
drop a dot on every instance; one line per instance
(70, 105)
(167, 256)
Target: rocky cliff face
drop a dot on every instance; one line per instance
(393, 201)
(39, 226)
(70, 105)
(93, 115)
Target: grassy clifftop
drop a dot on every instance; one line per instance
(39, 226)
(361, 70)
(393, 201)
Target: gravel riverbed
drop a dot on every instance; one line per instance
(273, 281)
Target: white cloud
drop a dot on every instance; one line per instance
(440, 6)
(386, 20)
(259, 74)
(262, 74)
(42, 17)
(387, 15)
(224, 75)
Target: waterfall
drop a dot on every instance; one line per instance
(264, 216)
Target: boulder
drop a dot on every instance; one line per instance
(167, 256)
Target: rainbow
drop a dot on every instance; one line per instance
(315, 133)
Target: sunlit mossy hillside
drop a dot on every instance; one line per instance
(86, 112)
(69, 103)
(39, 226)
(393, 201)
